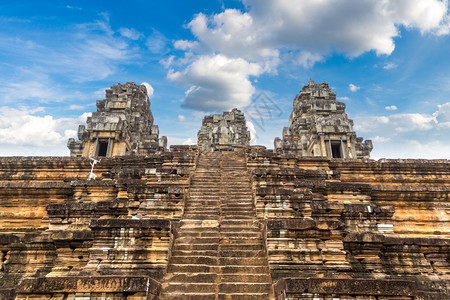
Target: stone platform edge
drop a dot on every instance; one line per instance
(85, 284)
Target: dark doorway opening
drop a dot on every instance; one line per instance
(102, 147)
(336, 149)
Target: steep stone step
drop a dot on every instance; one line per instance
(200, 216)
(196, 240)
(242, 261)
(242, 253)
(237, 222)
(246, 246)
(201, 234)
(198, 260)
(195, 277)
(239, 229)
(186, 223)
(244, 269)
(194, 252)
(181, 246)
(219, 252)
(243, 217)
(173, 287)
(189, 296)
(191, 268)
(259, 278)
(240, 235)
(244, 287)
(243, 296)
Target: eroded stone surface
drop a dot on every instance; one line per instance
(223, 132)
(319, 126)
(122, 125)
(225, 225)
(384, 220)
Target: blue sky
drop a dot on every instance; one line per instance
(388, 61)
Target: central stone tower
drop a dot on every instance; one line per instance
(319, 126)
(223, 132)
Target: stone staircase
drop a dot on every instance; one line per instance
(219, 252)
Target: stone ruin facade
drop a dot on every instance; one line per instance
(319, 126)
(245, 224)
(122, 125)
(223, 132)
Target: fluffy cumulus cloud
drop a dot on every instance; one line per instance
(270, 32)
(217, 82)
(149, 89)
(391, 107)
(28, 127)
(253, 136)
(353, 87)
(401, 133)
(442, 115)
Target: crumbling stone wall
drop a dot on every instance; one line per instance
(319, 126)
(334, 225)
(122, 125)
(62, 235)
(223, 132)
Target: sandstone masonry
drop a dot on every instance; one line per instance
(196, 222)
(223, 132)
(122, 125)
(319, 126)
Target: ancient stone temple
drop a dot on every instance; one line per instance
(223, 132)
(249, 223)
(319, 126)
(122, 125)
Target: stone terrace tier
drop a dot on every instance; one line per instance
(379, 223)
(245, 224)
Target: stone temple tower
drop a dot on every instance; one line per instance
(319, 126)
(122, 125)
(223, 132)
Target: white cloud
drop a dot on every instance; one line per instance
(389, 66)
(353, 87)
(380, 139)
(23, 127)
(398, 122)
(412, 122)
(307, 59)
(295, 31)
(84, 117)
(391, 107)
(185, 45)
(345, 98)
(253, 136)
(443, 113)
(400, 133)
(181, 118)
(76, 107)
(217, 82)
(130, 33)
(351, 27)
(411, 148)
(149, 89)
(189, 141)
(156, 42)
(168, 61)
